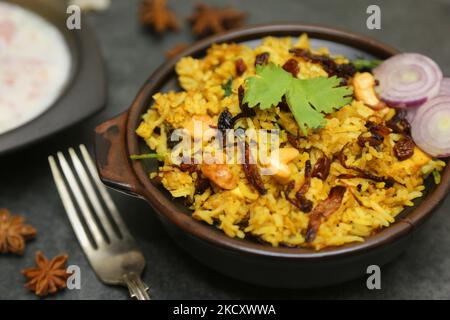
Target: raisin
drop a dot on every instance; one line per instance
(404, 149)
(240, 66)
(201, 185)
(345, 70)
(399, 124)
(374, 139)
(189, 167)
(292, 67)
(225, 121)
(262, 58)
(245, 110)
(241, 96)
(322, 168)
(375, 136)
(377, 128)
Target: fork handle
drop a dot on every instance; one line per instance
(138, 288)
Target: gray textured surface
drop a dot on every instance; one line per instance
(131, 55)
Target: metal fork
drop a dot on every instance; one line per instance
(104, 237)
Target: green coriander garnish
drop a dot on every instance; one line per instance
(308, 99)
(365, 64)
(228, 87)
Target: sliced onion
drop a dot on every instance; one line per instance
(408, 80)
(411, 113)
(431, 127)
(445, 87)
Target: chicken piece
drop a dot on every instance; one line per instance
(411, 165)
(220, 174)
(198, 125)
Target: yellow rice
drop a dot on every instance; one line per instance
(242, 212)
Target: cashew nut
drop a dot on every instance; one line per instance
(280, 167)
(364, 84)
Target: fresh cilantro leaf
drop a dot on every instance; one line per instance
(366, 65)
(268, 87)
(228, 87)
(304, 114)
(308, 99)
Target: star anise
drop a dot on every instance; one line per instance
(208, 19)
(176, 50)
(155, 14)
(13, 233)
(48, 276)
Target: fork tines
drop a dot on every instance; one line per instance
(99, 221)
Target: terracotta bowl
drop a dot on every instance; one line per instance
(245, 259)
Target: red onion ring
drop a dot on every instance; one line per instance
(445, 87)
(430, 129)
(408, 80)
(411, 113)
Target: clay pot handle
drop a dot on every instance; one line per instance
(112, 157)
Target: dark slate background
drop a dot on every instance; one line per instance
(131, 55)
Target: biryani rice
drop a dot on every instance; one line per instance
(367, 206)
